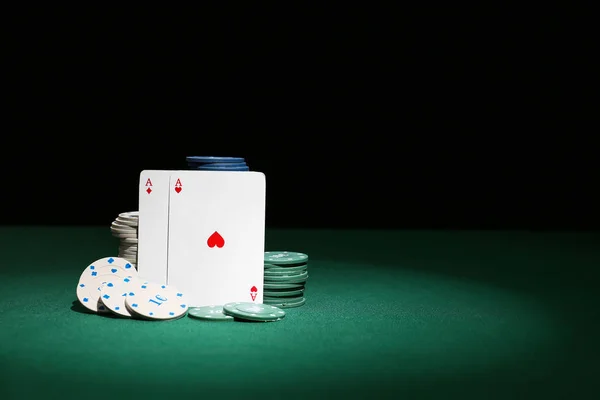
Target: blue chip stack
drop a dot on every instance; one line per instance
(202, 163)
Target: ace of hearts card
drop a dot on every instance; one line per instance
(216, 236)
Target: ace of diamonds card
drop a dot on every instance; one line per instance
(216, 236)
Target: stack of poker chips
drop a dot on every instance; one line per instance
(285, 277)
(202, 163)
(111, 285)
(125, 227)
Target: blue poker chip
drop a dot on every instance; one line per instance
(210, 159)
(221, 169)
(218, 165)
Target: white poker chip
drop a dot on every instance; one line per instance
(127, 222)
(88, 287)
(113, 292)
(130, 249)
(129, 241)
(121, 225)
(120, 229)
(130, 215)
(157, 302)
(124, 235)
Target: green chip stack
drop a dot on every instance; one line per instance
(285, 273)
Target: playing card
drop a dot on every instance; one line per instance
(153, 225)
(216, 236)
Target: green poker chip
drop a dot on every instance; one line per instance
(278, 270)
(281, 300)
(285, 257)
(275, 285)
(285, 303)
(287, 266)
(284, 273)
(254, 312)
(209, 313)
(283, 293)
(287, 278)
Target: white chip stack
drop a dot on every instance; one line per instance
(125, 227)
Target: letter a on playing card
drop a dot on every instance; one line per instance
(217, 236)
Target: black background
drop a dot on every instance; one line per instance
(359, 120)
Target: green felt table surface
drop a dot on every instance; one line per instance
(389, 314)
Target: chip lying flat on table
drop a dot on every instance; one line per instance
(254, 312)
(209, 313)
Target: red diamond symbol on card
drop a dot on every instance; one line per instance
(148, 190)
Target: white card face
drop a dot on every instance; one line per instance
(217, 236)
(153, 225)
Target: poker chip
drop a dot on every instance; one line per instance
(156, 302)
(128, 249)
(124, 235)
(127, 222)
(218, 165)
(102, 270)
(254, 312)
(303, 277)
(128, 218)
(120, 230)
(285, 258)
(213, 159)
(209, 313)
(293, 271)
(274, 285)
(289, 268)
(282, 293)
(118, 226)
(130, 214)
(125, 227)
(210, 168)
(113, 292)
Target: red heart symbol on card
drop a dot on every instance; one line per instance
(215, 240)
(178, 189)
